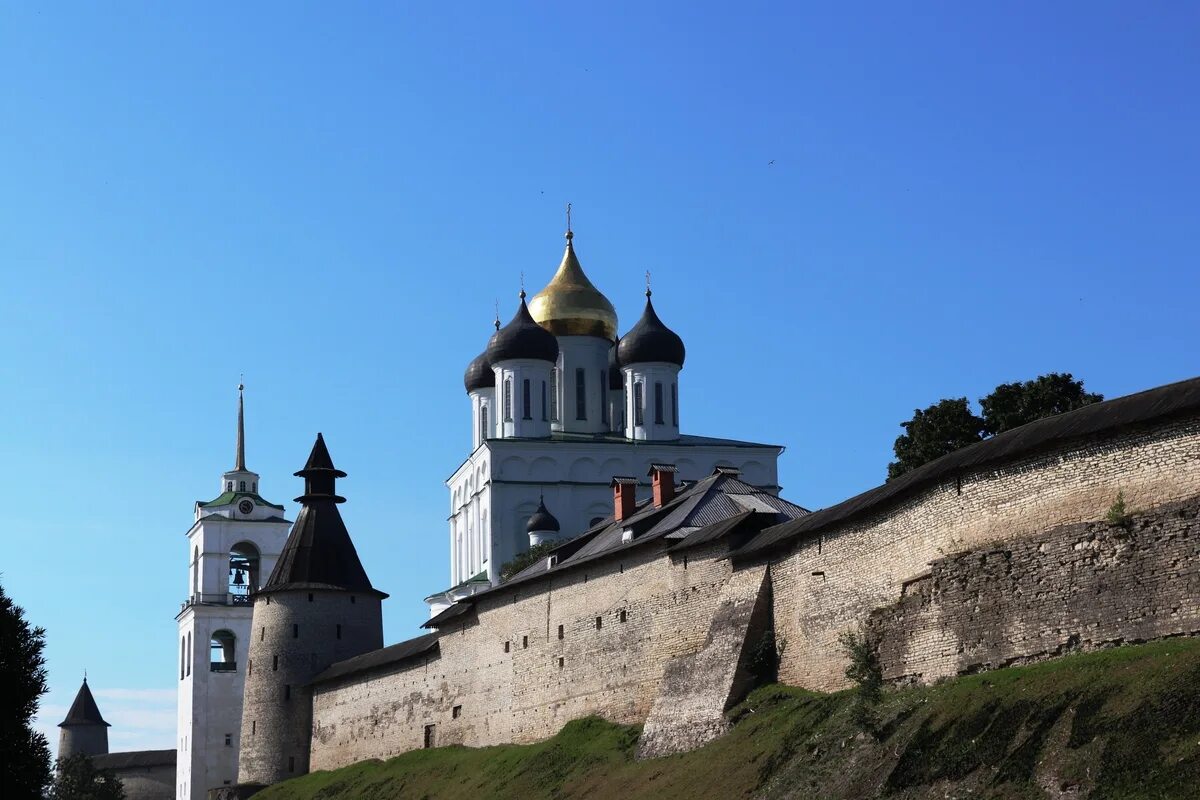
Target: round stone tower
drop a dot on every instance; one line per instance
(84, 730)
(317, 608)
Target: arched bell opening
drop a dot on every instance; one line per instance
(222, 652)
(244, 573)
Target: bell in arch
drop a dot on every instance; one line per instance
(238, 580)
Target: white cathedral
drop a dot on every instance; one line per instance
(559, 406)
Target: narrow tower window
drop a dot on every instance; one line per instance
(637, 403)
(675, 404)
(658, 403)
(554, 395)
(189, 654)
(241, 486)
(580, 394)
(545, 410)
(604, 396)
(483, 431)
(526, 403)
(508, 399)
(339, 630)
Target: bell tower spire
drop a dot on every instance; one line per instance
(240, 466)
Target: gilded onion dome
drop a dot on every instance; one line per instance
(570, 305)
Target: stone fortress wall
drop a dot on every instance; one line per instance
(980, 569)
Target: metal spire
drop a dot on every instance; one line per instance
(240, 466)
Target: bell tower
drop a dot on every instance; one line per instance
(232, 546)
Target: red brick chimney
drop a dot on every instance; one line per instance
(662, 478)
(624, 496)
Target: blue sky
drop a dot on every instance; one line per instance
(329, 198)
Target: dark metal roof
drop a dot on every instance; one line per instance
(447, 614)
(134, 758)
(542, 519)
(84, 710)
(392, 654)
(650, 340)
(616, 379)
(1172, 400)
(479, 374)
(718, 530)
(319, 553)
(522, 338)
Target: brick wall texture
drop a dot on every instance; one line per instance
(599, 639)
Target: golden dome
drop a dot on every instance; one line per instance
(571, 306)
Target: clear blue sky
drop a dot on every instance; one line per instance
(329, 197)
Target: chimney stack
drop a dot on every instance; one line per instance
(662, 478)
(624, 496)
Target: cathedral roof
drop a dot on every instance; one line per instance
(522, 338)
(650, 340)
(542, 519)
(84, 710)
(570, 305)
(319, 553)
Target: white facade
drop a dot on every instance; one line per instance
(582, 385)
(232, 547)
(496, 490)
(652, 402)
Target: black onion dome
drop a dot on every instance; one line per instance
(616, 379)
(650, 340)
(479, 374)
(542, 520)
(522, 338)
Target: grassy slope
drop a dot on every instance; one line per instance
(1118, 723)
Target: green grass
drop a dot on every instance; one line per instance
(1119, 723)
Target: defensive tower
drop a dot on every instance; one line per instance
(318, 607)
(84, 730)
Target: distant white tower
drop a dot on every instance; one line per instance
(232, 547)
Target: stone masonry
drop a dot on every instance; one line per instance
(995, 565)
(1077, 587)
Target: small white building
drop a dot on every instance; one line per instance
(559, 406)
(232, 547)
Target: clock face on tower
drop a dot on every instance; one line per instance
(245, 506)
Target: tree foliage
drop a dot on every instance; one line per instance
(524, 560)
(950, 424)
(1014, 404)
(933, 432)
(78, 779)
(24, 753)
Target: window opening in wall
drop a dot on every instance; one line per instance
(622, 616)
(229, 740)
(526, 402)
(524, 642)
(295, 630)
(229, 486)
(254, 486)
(554, 395)
(189, 654)
(287, 691)
(241, 486)
(291, 763)
(507, 646)
(182, 656)
(222, 649)
(560, 662)
(339, 630)
(310, 597)
(249, 667)
(351, 599)
(243, 573)
(508, 399)
(675, 404)
(253, 727)
(580, 394)
(545, 410)
(429, 735)
(599, 622)
(604, 396)
(262, 633)
(637, 403)
(456, 712)
(658, 403)
(274, 663)
(483, 428)
(560, 631)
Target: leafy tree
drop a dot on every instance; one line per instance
(520, 562)
(940, 429)
(78, 779)
(1014, 404)
(24, 754)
